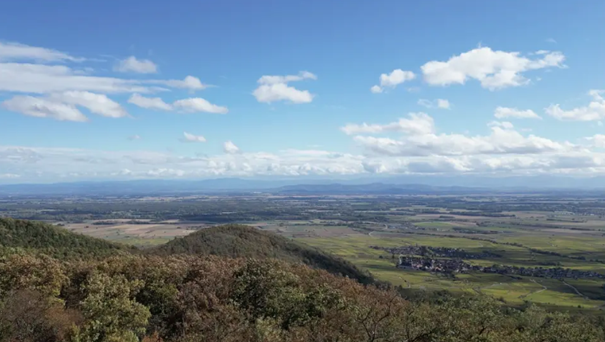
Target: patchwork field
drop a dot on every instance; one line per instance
(579, 246)
(139, 232)
(547, 249)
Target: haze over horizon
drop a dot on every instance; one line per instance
(301, 90)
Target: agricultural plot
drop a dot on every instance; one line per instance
(514, 244)
(141, 233)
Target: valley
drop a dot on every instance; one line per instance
(543, 248)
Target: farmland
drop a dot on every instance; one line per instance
(543, 248)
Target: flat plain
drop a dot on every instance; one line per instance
(540, 232)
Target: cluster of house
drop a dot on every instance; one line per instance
(443, 252)
(459, 266)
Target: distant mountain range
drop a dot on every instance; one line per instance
(384, 185)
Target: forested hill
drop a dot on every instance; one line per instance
(237, 241)
(52, 240)
(180, 293)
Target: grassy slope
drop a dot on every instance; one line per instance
(243, 241)
(53, 240)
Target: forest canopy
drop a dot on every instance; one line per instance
(190, 291)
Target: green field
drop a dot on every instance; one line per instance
(517, 244)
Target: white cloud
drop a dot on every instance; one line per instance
(303, 75)
(438, 103)
(189, 105)
(501, 124)
(505, 112)
(230, 148)
(132, 64)
(393, 79)
(551, 40)
(376, 89)
(503, 139)
(134, 137)
(44, 164)
(493, 69)
(19, 52)
(42, 79)
(96, 103)
(275, 88)
(197, 104)
(149, 102)
(165, 172)
(418, 123)
(281, 92)
(597, 140)
(508, 155)
(425, 103)
(43, 108)
(595, 110)
(189, 82)
(443, 104)
(188, 137)
(62, 106)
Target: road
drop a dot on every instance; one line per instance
(576, 290)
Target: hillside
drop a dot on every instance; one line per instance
(180, 293)
(52, 240)
(185, 298)
(238, 241)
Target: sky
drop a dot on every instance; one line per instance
(120, 90)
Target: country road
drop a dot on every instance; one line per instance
(544, 288)
(576, 290)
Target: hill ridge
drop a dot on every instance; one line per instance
(236, 240)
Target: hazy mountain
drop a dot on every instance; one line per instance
(397, 184)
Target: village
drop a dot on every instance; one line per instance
(450, 266)
(442, 252)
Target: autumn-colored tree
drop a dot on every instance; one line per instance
(110, 310)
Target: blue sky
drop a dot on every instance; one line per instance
(77, 79)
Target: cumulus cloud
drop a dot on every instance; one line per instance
(43, 108)
(597, 140)
(303, 75)
(132, 64)
(493, 69)
(42, 79)
(417, 123)
(505, 112)
(503, 139)
(14, 51)
(189, 82)
(197, 104)
(376, 89)
(189, 105)
(96, 103)
(149, 102)
(594, 111)
(444, 104)
(29, 69)
(188, 137)
(392, 80)
(230, 148)
(62, 106)
(491, 154)
(276, 88)
(42, 164)
(438, 103)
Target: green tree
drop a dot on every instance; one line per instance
(110, 310)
